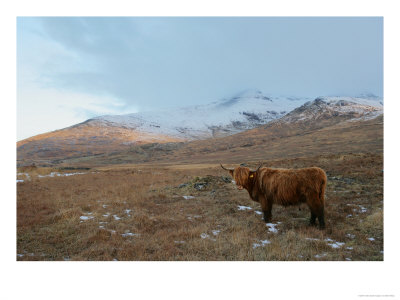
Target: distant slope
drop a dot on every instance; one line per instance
(325, 125)
(85, 139)
(106, 134)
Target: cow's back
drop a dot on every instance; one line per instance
(291, 186)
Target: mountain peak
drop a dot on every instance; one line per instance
(251, 93)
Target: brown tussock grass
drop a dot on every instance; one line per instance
(139, 213)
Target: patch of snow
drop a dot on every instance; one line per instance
(127, 211)
(240, 207)
(19, 180)
(371, 239)
(116, 218)
(348, 216)
(20, 255)
(258, 212)
(215, 232)
(261, 244)
(271, 227)
(52, 174)
(362, 209)
(349, 248)
(106, 215)
(188, 197)
(348, 258)
(329, 240)
(320, 255)
(352, 236)
(312, 239)
(69, 174)
(204, 236)
(84, 218)
(101, 227)
(130, 234)
(25, 174)
(105, 205)
(336, 245)
(179, 242)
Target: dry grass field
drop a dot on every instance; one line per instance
(194, 212)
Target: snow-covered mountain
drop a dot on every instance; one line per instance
(350, 108)
(243, 111)
(247, 110)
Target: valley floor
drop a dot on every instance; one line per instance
(194, 212)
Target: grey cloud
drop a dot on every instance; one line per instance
(177, 61)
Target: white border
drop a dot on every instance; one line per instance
(194, 280)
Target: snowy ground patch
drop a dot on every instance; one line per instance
(84, 218)
(130, 234)
(215, 232)
(336, 245)
(204, 236)
(207, 236)
(116, 218)
(27, 177)
(320, 255)
(271, 227)
(312, 239)
(52, 174)
(371, 239)
(241, 207)
(261, 244)
(188, 197)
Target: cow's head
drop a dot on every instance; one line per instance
(242, 176)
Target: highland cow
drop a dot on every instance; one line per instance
(285, 187)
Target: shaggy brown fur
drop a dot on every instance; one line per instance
(285, 187)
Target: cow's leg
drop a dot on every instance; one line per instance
(266, 207)
(317, 210)
(321, 219)
(312, 219)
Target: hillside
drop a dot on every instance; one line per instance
(321, 126)
(248, 119)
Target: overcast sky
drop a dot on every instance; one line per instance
(71, 69)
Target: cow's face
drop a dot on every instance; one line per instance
(241, 177)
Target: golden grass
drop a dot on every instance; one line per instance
(139, 213)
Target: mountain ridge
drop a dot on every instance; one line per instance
(106, 134)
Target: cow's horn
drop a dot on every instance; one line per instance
(258, 168)
(225, 168)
